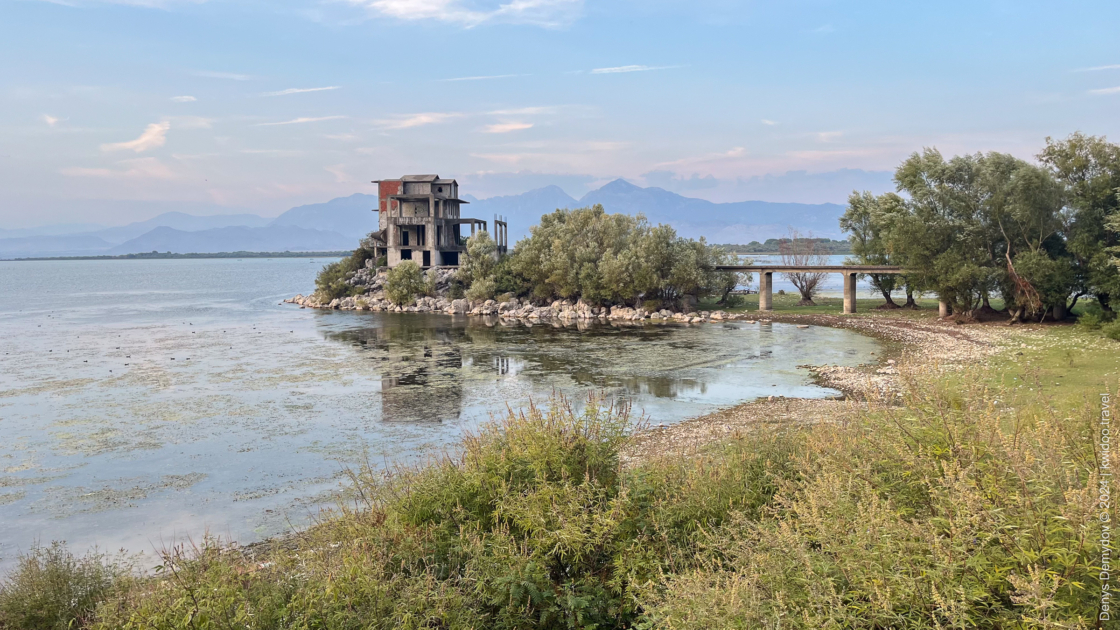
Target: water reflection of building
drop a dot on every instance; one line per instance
(421, 373)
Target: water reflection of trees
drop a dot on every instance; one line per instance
(425, 362)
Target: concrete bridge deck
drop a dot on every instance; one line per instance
(766, 278)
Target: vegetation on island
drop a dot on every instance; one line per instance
(583, 254)
(972, 227)
(774, 246)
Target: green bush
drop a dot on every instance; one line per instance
(734, 301)
(535, 524)
(507, 280)
(51, 589)
(1089, 321)
(331, 281)
(939, 515)
(404, 282)
(481, 290)
(606, 258)
(1111, 330)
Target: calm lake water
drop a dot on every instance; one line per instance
(145, 401)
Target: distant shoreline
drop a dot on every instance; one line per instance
(170, 256)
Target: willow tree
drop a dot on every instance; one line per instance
(606, 258)
(1089, 167)
(866, 220)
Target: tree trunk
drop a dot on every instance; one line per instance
(910, 303)
(986, 304)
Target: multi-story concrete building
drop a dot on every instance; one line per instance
(419, 220)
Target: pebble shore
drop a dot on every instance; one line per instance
(914, 347)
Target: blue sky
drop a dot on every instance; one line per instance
(225, 105)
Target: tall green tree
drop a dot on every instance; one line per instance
(941, 237)
(606, 258)
(866, 220)
(1089, 166)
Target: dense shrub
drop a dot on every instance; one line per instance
(616, 258)
(331, 281)
(481, 289)
(404, 282)
(1111, 330)
(944, 515)
(51, 589)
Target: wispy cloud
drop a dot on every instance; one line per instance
(546, 13)
(301, 90)
(507, 127)
(621, 69)
(183, 99)
(339, 172)
(824, 28)
(190, 122)
(768, 122)
(299, 121)
(1111, 90)
(50, 120)
(139, 168)
(408, 121)
(155, 135)
(829, 136)
(273, 152)
(1096, 68)
(486, 77)
(524, 111)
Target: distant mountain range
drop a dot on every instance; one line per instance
(738, 222)
(340, 223)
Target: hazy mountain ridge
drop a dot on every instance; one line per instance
(352, 216)
(273, 238)
(340, 223)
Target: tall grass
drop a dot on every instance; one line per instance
(950, 512)
(51, 589)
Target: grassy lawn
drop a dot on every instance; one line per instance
(1062, 364)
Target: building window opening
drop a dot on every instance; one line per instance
(404, 238)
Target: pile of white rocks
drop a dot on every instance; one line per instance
(513, 309)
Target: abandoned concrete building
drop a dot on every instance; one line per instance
(419, 220)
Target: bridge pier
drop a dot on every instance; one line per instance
(765, 290)
(849, 292)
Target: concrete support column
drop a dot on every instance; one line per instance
(849, 292)
(765, 291)
(943, 309)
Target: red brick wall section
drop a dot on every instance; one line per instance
(388, 187)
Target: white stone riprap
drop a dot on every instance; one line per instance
(562, 311)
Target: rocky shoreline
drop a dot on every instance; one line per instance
(374, 299)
